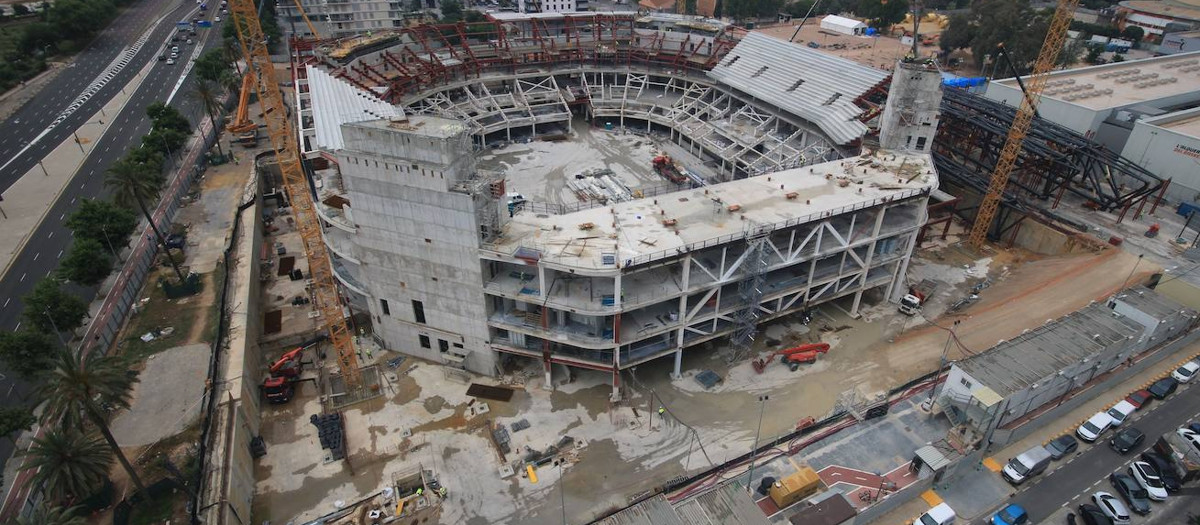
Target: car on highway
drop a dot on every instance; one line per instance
(1063, 446)
(1012, 514)
(1164, 469)
(1186, 372)
(1147, 477)
(1091, 429)
(1092, 515)
(1163, 387)
(1131, 492)
(162, 57)
(1139, 398)
(171, 61)
(174, 49)
(1111, 507)
(216, 19)
(1126, 440)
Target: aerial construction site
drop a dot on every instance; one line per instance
(651, 268)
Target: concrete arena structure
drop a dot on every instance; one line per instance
(426, 242)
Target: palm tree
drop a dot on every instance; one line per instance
(207, 92)
(133, 184)
(54, 515)
(70, 465)
(75, 389)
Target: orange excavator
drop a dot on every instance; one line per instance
(279, 386)
(242, 127)
(793, 357)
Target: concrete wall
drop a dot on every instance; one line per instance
(228, 475)
(418, 241)
(914, 101)
(1168, 154)
(1040, 238)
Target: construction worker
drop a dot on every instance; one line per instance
(420, 490)
(442, 492)
(662, 410)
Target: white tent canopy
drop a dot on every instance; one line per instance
(841, 24)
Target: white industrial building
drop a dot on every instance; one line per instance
(452, 271)
(1004, 383)
(843, 25)
(1179, 42)
(1103, 102)
(335, 19)
(1169, 146)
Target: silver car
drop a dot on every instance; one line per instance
(1112, 507)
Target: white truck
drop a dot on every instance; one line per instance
(918, 293)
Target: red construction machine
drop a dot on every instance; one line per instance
(665, 166)
(279, 386)
(793, 357)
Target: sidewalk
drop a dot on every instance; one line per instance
(31, 197)
(973, 495)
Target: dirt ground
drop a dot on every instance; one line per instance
(878, 52)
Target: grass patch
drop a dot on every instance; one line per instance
(157, 511)
(158, 313)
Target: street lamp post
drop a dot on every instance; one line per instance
(762, 406)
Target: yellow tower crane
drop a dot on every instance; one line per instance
(1056, 36)
(295, 183)
(312, 29)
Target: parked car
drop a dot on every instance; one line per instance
(1026, 465)
(1148, 478)
(1120, 412)
(1111, 507)
(1063, 446)
(1092, 515)
(1013, 514)
(1163, 387)
(1186, 372)
(1091, 429)
(1194, 427)
(1131, 492)
(1140, 398)
(942, 514)
(176, 241)
(1164, 469)
(1126, 440)
(1190, 436)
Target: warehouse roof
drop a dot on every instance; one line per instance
(654, 511)
(336, 102)
(1123, 83)
(1014, 365)
(1152, 303)
(1186, 122)
(1178, 9)
(815, 86)
(728, 504)
(646, 229)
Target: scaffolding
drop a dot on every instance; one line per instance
(750, 292)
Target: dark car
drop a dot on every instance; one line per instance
(1194, 427)
(1165, 471)
(1126, 439)
(1092, 515)
(1163, 387)
(176, 242)
(1131, 492)
(1139, 398)
(1065, 445)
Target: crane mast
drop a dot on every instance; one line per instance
(1056, 36)
(295, 183)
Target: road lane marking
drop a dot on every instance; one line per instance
(22, 279)
(6, 301)
(36, 255)
(59, 254)
(50, 236)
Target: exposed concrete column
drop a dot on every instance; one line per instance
(683, 309)
(549, 366)
(867, 263)
(617, 291)
(542, 280)
(678, 362)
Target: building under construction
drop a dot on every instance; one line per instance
(455, 269)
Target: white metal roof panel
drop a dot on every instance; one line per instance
(335, 102)
(815, 86)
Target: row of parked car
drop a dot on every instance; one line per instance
(1149, 478)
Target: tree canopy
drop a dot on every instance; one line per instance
(48, 307)
(994, 22)
(882, 14)
(15, 419)
(103, 221)
(88, 262)
(164, 116)
(26, 352)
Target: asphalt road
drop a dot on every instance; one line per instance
(51, 239)
(1074, 482)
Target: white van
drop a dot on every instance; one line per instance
(1030, 463)
(939, 515)
(1094, 426)
(1120, 412)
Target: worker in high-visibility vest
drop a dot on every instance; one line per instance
(420, 490)
(442, 492)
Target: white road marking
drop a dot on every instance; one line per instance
(6, 301)
(36, 255)
(51, 235)
(22, 279)
(60, 252)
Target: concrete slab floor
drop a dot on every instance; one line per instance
(539, 170)
(423, 418)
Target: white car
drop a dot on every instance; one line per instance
(1186, 372)
(217, 19)
(1112, 507)
(170, 61)
(1091, 429)
(1121, 411)
(1190, 436)
(1147, 477)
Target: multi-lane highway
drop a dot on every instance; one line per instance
(101, 71)
(1074, 482)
